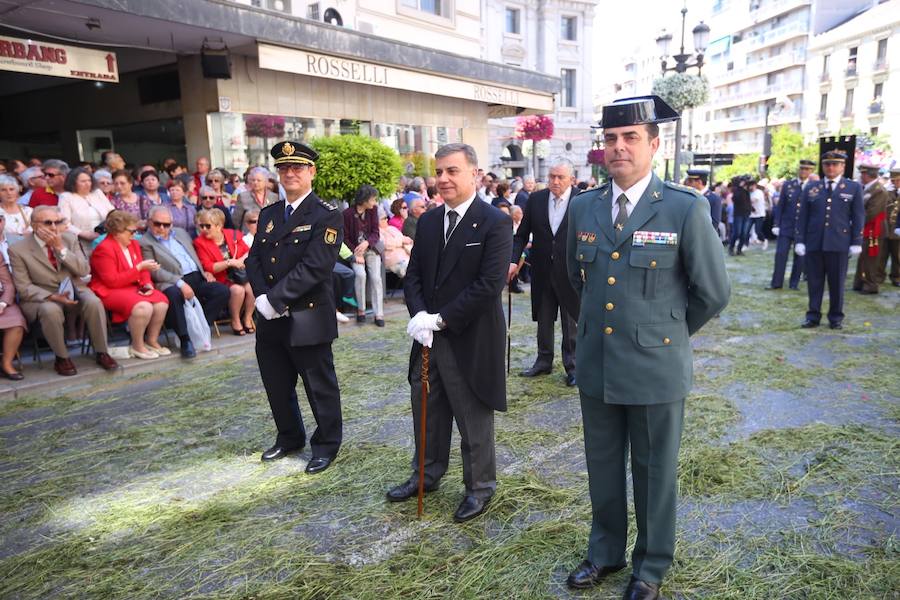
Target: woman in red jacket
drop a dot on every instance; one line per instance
(121, 279)
(222, 253)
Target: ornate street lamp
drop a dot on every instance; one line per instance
(682, 64)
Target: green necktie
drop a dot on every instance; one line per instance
(622, 216)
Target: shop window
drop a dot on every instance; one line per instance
(569, 28)
(513, 21)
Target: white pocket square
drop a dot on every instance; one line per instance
(473, 244)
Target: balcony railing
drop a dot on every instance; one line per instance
(851, 70)
(876, 107)
(766, 10)
(847, 113)
(822, 116)
(775, 35)
(880, 65)
(825, 77)
(759, 67)
(784, 88)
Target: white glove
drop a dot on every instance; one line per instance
(800, 249)
(424, 337)
(775, 231)
(265, 308)
(855, 250)
(422, 321)
(897, 231)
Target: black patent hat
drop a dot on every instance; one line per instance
(293, 153)
(701, 174)
(640, 110)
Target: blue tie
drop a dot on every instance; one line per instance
(288, 209)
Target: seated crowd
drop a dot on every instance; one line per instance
(85, 247)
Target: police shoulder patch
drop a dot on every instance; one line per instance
(331, 236)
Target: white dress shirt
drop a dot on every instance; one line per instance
(633, 194)
(460, 210)
(558, 211)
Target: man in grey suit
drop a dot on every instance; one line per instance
(42, 262)
(180, 276)
(257, 196)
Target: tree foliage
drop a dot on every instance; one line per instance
(744, 164)
(681, 91)
(349, 161)
(788, 148)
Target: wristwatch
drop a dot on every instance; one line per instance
(440, 322)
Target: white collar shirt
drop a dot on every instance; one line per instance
(633, 194)
(557, 210)
(296, 203)
(460, 210)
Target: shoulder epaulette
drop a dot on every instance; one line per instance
(327, 205)
(679, 187)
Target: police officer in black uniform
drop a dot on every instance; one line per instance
(289, 267)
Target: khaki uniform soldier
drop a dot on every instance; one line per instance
(651, 272)
(890, 249)
(875, 200)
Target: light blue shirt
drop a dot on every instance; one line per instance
(181, 255)
(26, 198)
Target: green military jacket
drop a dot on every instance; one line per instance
(644, 292)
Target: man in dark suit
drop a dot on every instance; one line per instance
(697, 178)
(289, 268)
(829, 228)
(546, 220)
(453, 288)
(525, 193)
(784, 217)
(180, 276)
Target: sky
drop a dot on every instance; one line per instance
(620, 26)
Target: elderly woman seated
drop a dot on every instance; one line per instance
(208, 199)
(12, 324)
(222, 252)
(121, 279)
(397, 246)
(17, 216)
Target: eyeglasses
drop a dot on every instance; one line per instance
(252, 222)
(52, 223)
(203, 226)
(46, 174)
(160, 224)
(292, 168)
(207, 197)
(131, 231)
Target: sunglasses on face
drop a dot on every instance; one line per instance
(207, 197)
(160, 224)
(131, 231)
(292, 168)
(46, 174)
(252, 222)
(52, 223)
(203, 226)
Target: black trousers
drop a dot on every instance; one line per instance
(546, 325)
(213, 297)
(450, 398)
(822, 266)
(782, 251)
(280, 364)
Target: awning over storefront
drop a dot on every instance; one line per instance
(57, 60)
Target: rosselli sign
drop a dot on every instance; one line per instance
(302, 62)
(57, 60)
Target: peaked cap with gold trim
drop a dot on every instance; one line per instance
(293, 153)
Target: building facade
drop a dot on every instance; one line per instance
(854, 77)
(554, 37)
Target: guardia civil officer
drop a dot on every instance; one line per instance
(651, 272)
(875, 203)
(829, 228)
(784, 226)
(289, 267)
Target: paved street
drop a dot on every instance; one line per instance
(148, 484)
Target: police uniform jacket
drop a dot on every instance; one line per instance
(292, 263)
(548, 252)
(715, 208)
(785, 213)
(831, 224)
(643, 292)
(464, 281)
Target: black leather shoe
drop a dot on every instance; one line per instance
(515, 288)
(587, 574)
(795, 287)
(317, 464)
(835, 326)
(809, 324)
(640, 590)
(14, 376)
(407, 490)
(470, 508)
(534, 372)
(772, 287)
(570, 379)
(379, 322)
(276, 452)
(187, 349)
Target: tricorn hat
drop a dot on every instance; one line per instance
(640, 110)
(293, 153)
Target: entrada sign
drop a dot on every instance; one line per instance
(57, 60)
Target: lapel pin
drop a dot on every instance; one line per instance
(270, 227)
(656, 195)
(474, 225)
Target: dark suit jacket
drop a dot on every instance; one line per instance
(522, 198)
(464, 282)
(291, 262)
(169, 271)
(548, 253)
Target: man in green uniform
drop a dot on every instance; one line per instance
(651, 272)
(891, 247)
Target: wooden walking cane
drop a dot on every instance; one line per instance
(508, 324)
(425, 390)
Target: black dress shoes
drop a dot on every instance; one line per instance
(809, 324)
(317, 464)
(14, 376)
(587, 574)
(641, 590)
(835, 325)
(570, 379)
(276, 452)
(772, 287)
(187, 349)
(407, 490)
(534, 372)
(470, 508)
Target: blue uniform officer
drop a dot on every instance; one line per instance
(829, 228)
(784, 217)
